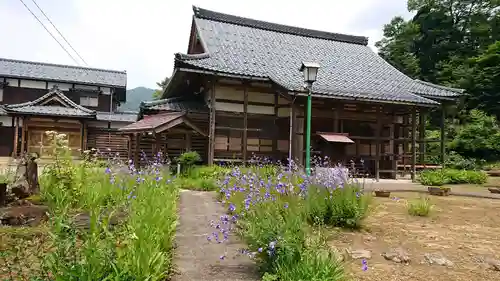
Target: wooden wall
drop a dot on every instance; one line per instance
(108, 141)
(21, 90)
(247, 122)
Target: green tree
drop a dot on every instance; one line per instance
(162, 85)
(437, 44)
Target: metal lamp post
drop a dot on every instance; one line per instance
(310, 71)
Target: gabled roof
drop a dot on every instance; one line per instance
(53, 103)
(161, 122)
(349, 68)
(62, 73)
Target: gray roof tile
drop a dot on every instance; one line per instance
(66, 73)
(349, 68)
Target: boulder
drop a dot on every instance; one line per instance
(437, 259)
(398, 255)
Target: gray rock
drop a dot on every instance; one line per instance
(397, 255)
(437, 259)
(493, 264)
(359, 254)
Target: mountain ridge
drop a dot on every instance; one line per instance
(134, 98)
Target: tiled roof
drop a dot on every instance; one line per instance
(152, 122)
(161, 122)
(432, 90)
(61, 106)
(349, 68)
(176, 104)
(117, 116)
(216, 16)
(66, 73)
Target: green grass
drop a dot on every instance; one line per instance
(137, 247)
(421, 207)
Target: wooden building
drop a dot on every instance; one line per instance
(80, 102)
(240, 93)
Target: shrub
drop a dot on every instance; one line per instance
(465, 177)
(433, 178)
(456, 161)
(187, 160)
(420, 207)
(452, 176)
(345, 206)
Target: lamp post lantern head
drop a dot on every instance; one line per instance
(310, 71)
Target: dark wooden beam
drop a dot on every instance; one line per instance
(16, 136)
(245, 123)
(276, 128)
(443, 135)
(188, 140)
(378, 134)
(211, 128)
(413, 144)
(421, 131)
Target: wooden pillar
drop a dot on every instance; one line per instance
(137, 137)
(413, 143)
(378, 135)
(293, 133)
(244, 140)
(336, 119)
(156, 144)
(130, 147)
(16, 136)
(443, 135)
(276, 129)
(188, 141)
(211, 132)
(393, 148)
(299, 136)
(421, 133)
(406, 135)
(23, 135)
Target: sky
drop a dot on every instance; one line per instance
(141, 37)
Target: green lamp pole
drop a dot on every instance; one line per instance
(310, 71)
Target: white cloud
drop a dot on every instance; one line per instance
(142, 36)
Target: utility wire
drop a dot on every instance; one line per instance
(64, 38)
(49, 32)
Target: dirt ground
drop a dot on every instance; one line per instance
(465, 231)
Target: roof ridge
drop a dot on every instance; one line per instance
(181, 56)
(281, 28)
(457, 90)
(63, 65)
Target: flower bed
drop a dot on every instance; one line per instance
(279, 213)
(104, 224)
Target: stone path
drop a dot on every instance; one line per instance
(198, 259)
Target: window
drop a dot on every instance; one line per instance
(89, 101)
(1, 94)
